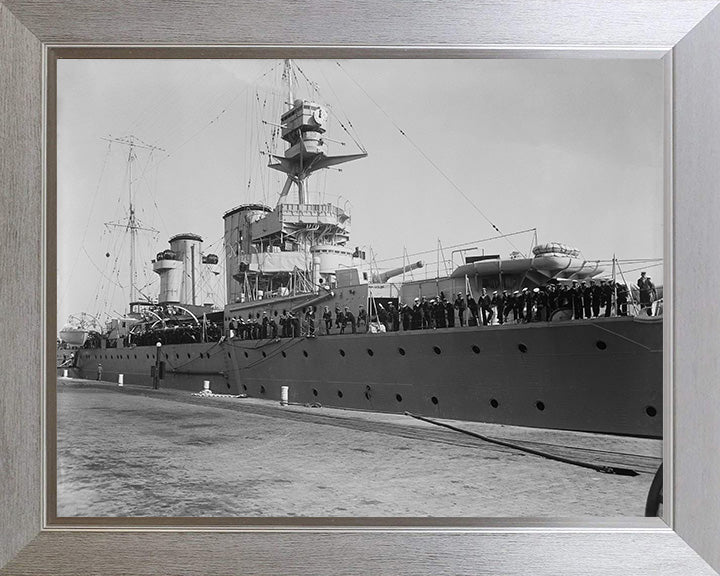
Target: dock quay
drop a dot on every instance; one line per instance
(133, 451)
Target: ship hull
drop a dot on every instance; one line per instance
(602, 375)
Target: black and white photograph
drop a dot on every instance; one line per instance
(359, 288)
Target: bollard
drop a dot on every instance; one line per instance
(206, 385)
(120, 379)
(284, 395)
(65, 373)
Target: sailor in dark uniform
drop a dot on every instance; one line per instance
(586, 294)
(428, 318)
(460, 307)
(528, 296)
(517, 307)
(340, 320)
(486, 307)
(349, 318)
(327, 317)
(450, 313)
(473, 308)
(394, 317)
(576, 299)
(608, 294)
(406, 315)
(597, 296)
(647, 290)
(498, 300)
(362, 318)
(417, 315)
(622, 299)
(440, 318)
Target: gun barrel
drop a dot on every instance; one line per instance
(385, 276)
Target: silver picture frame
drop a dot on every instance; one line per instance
(685, 35)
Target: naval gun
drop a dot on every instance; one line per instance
(383, 277)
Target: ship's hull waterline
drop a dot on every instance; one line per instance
(602, 375)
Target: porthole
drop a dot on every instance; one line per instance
(434, 400)
(136, 356)
(246, 354)
(370, 352)
(283, 354)
(188, 354)
(342, 352)
(315, 392)
(264, 354)
(651, 411)
(601, 345)
(494, 403)
(177, 356)
(476, 349)
(262, 389)
(368, 395)
(148, 356)
(523, 349)
(540, 405)
(437, 350)
(244, 387)
(401, 351)
(305, 353)
(398, 397)
(340, 394)
(228, 385)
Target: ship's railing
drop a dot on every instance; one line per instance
(311, 210)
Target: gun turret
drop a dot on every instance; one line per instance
(385, 276)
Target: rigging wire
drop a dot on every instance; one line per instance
(426, 157)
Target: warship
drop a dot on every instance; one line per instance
(288, 265)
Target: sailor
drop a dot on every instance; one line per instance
(576, 300)
(472, 305)
(541, 304)
(608, 293)
(310, 320)
(274, 325)
(417, 315)
(338, 316)
(427, 313)
(439, 309)
(340, 319)
(406, 314)
(264, 326)
(232, 327)
(362, 317)
(99, 371)
(596, 292)
(622, 298)
(486, 306)
(394, 317)
(517, 306)
(450, 313)
(460, 307)
(647, 290)
(529, 301)
(498, 300)
(327, 317)
(349, 318)
(383, 316)
(284, 324)
(586, 294)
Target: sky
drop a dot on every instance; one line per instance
(457, 149)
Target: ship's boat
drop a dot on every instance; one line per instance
(289, 266)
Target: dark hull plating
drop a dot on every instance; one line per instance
(602, 375)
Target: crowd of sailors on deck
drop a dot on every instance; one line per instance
(577, 300)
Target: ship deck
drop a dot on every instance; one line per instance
(134, 451)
